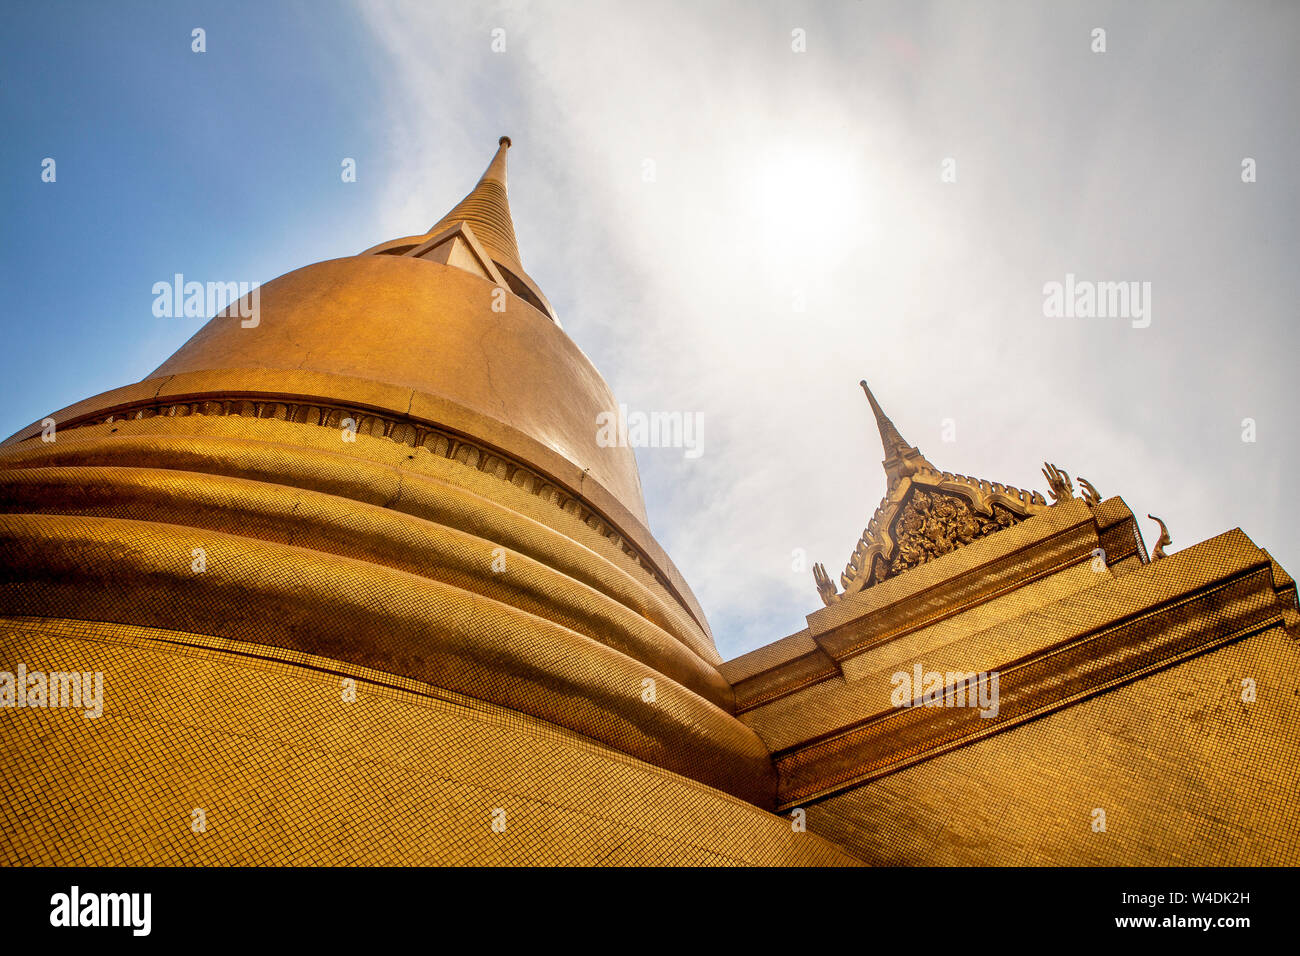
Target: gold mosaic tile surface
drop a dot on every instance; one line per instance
(287, 772)
(1185, 771)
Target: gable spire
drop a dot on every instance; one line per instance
(901, 459)
(926, 513)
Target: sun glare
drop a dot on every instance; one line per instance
(809, 202)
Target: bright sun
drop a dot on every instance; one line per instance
(809, 203)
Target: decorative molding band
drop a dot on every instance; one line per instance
(786, 679)
(405, 430)
(1077, 668)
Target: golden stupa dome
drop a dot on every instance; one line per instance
(389, 461)
(416, 314)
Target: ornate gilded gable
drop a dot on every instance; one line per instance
(927, 513)
(931, 525)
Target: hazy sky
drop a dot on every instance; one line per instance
(794, 237)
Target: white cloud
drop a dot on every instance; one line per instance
(781, 175)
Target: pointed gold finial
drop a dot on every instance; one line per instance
(901, 459)
(487, 210)
(894, 445)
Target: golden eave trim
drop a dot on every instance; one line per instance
(1253, 611)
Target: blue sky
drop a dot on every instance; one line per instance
(166, 161)
(780, 178)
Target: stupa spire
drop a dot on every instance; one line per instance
(487, 211)
(478, 235)
(901, 459)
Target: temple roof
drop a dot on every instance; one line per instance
(927, 513)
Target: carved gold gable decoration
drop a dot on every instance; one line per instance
(927, 513)
(924, 516)
(932, 525)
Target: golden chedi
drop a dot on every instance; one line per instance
(356, 583)
(363, 588)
